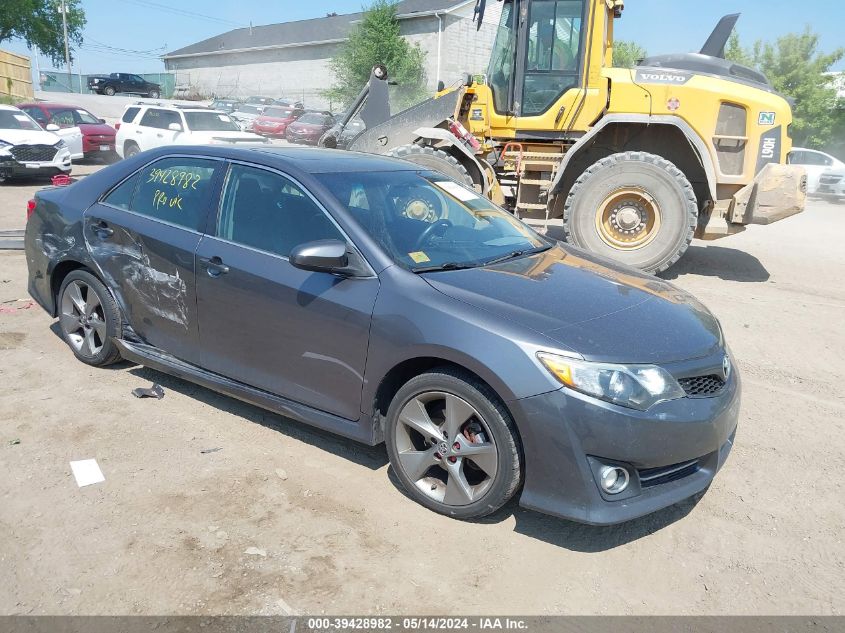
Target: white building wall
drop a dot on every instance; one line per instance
(302, 72)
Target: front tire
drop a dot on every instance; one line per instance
(634, 207)
(453, 444)
(109, 91)
(131, 149)
(89, 319)
(435, 159)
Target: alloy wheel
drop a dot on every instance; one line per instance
(82, 319)
(445, 448)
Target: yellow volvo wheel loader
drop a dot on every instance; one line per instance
(626, 163)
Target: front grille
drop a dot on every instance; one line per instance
(665, 474)
(33, 153)
(702, 385)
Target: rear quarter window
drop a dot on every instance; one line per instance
(130, 115)
(175, 190)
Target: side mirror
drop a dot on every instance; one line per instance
(326, 256)
(52, 127)
(174, 127)
(101, 120)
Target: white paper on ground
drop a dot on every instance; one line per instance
(87, 472)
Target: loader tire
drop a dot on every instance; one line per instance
(435, 159)
(634, 207)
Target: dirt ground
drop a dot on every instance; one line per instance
(287, 519)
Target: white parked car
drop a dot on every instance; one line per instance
(246, 114)
(145, 126)
(832, 185)
(27, 150)
(816, 163)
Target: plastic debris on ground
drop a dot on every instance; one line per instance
(153, 392)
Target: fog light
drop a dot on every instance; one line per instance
(613, 479)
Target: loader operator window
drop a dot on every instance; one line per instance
(501, 60)
(553, 53)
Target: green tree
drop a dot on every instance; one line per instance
(795, 67)
(377, 40)
(627, 54)
(39, 23)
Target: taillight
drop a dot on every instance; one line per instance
(30, 208)
(117, 126)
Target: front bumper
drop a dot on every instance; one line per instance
(672, 451)
(11, 168)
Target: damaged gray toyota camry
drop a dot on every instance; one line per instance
(383, 302)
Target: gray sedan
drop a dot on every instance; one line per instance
(386, 303)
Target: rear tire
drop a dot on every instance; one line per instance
(109, 91)
(431, 414)
(154, 94)
(634, 207)
(435, 159)
(89, 319)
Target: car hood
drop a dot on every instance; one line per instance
(590, 305)
(28, 137)
(97, 128)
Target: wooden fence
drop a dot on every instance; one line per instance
(15, 76)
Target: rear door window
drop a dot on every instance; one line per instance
(37, 114)
(177, 190)
(160, 119)
(264, 210)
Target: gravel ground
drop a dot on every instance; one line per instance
(287, 519)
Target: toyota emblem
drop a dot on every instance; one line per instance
(726, 367)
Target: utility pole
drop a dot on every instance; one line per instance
(67, 49)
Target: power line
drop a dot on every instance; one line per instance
(163, 7)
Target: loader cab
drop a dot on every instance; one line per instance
(544, 54)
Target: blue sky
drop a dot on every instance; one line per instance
(143, 28)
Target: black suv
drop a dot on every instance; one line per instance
(123, 82)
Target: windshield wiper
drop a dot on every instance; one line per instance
(515, 254)
(446, 266)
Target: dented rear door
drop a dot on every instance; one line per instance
(143, 236)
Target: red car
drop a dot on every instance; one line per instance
(275, 120)
(309, 127)
(97, 137)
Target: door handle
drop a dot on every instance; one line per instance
(102, 229)
(214, 266)
(138, 132)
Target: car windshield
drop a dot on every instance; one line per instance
(210, 122)
(16, 120)
(73, 117)
(427, 222)
(279, 113)
(314, 118)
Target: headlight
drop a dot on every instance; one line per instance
(60, 145)
(96, 81)
(634, 386)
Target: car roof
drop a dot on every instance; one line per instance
(309, 160)
(51, 105)
(3, 106)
